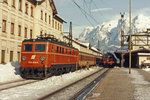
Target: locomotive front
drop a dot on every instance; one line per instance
(34, 59)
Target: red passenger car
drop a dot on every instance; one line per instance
(44, 56)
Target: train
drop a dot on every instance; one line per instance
(46, 56)
(110, 60)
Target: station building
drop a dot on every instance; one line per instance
(140, 50)
(25, 19)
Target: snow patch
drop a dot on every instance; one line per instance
(146, 69)
(9, 72)
(142, 88)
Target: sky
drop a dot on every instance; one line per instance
(94, 12)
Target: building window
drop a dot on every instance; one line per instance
(11, 55)
(19, 30)
(25, 34)
(49, 19)
(13, 3)
(20, 5)
(4, 26)
(3, 56)
(31, 11)
(58, 26)
(45, 17)
(5, 1)
(41, 33)
(41, 15)
(26, 8)
(30, 33)
(53, 23)
(18, 53)
(12, 28)
(61, 28)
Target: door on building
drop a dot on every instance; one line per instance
(11, 55)
(3, 56)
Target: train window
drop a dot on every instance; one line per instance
(70, 51)
(105, 56)
(62, 50)
(40, 47)
(52, 48)
(57, 49)
(28, 47)
(66, 51)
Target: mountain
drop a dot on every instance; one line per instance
(109, 33)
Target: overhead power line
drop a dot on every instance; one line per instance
(85, 13)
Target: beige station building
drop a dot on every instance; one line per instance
(140, 50)
(25, 19)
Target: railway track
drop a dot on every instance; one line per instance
(78, 89)
(17, 83)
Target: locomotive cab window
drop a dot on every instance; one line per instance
(40, 47)
(28, 47)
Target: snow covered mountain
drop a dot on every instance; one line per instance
(109, 33)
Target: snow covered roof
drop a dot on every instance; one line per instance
(85, 44)
(95, 49)
(142, 54)
(145, 50)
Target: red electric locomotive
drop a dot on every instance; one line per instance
(108, 60)
(44, 56)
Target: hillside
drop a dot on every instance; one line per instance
(108, 33)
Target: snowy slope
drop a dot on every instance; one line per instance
(108, 33)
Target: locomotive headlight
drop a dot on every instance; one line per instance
(24, 58)
(42, 58)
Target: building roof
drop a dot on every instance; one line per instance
(39, 2)
(56, 16)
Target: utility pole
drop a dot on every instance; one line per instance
(130, 39)
(122, 30)
(98, 45)
(70, 34)
(122, 38)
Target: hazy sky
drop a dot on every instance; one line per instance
(95, 12)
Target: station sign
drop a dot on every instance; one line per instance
(122, 50)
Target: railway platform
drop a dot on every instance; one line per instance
(120, 85)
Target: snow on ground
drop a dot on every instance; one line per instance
(147, 69)
(38, 89)
(142, 87)
(9, 72)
